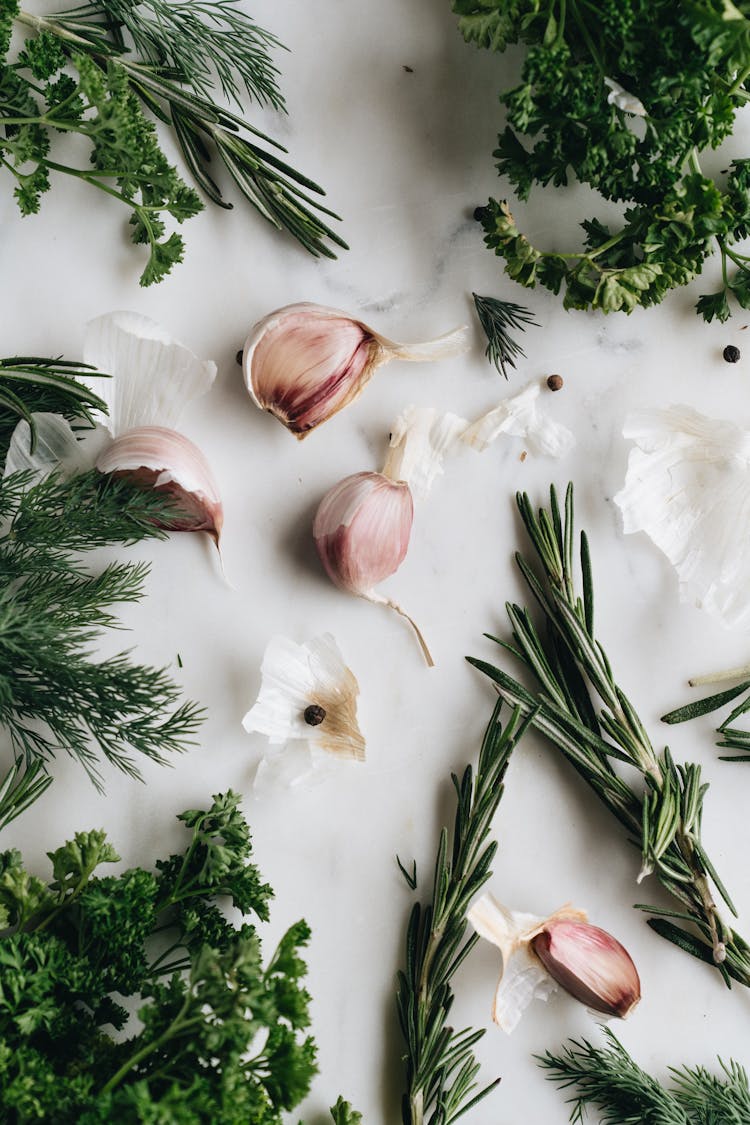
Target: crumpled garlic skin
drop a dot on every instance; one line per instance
(688, 487)
(523, 977)
(293, 678)
(57, 450)
(422, 437)
(564, 949)
(361, 530)
(620, 97)
(152, 457)
(305, 362)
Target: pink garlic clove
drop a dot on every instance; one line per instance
(361, 532)
(152, 457)
(589, 964)
(304, 362)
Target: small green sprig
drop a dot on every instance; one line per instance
(576, 703)
(498, 318)
(441, 1070)
(609, 1082)
(730, 737)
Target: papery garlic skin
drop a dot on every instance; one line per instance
(590, 964)
(153, 376)
(620, 97)
(688, 487)
(361, 530)
(297, 676)
(58, 449)
(305, 362)
(153, 457)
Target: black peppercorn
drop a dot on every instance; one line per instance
(555, 382)
(731, 353)
(314, 715)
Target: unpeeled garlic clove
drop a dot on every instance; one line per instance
(590, 964)
(153, 457)
(361, 530)
(304, 362)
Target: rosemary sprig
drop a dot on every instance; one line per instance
(730, 737)
(577, 704)
(30, 384)
(441, 1069)
(608, 1079)
(497, 318)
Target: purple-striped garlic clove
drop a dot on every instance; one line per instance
(361, 531)
(305, 362)
(152, 457)
(590, 964)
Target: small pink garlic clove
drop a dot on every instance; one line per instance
(589, 964)
(361, 531)
(152, 457)
(304, 362)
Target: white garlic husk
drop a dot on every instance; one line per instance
(307, 706)
(688, 487)
(57, 448)
(422, 437)
(305, 362)
(620, 97)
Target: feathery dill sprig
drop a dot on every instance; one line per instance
(577, 704)
(53, 696)
(609, 1080)
(441, 1070)
(497, 319)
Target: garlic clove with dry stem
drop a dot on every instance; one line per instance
(361, 530)
(154, 457)
(305, 362)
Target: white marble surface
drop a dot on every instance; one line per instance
(405, 155)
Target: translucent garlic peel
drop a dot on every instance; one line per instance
(155, 457)
(688, 487)
(520, 416)
(523, 977)
(57, 449)
(153, 376)
(294, 676)
(620, 97)
(422, 437)
(305, 362)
